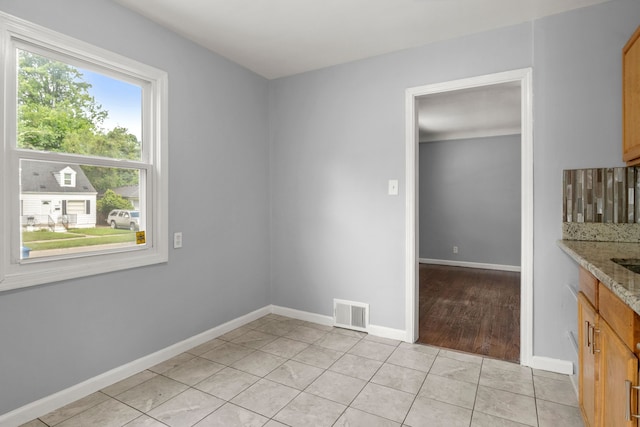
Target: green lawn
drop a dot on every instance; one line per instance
(32, 236)
(99, 231)
(41, 240)
(86, 241)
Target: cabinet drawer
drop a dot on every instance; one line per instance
(588, 286)
(620, 316)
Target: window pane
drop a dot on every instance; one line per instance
(57, 219)
(63, 108)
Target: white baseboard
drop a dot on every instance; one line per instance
(302, 315)
(378, 331)
(515, 268)
(552, 365)
(54, 401)
(384, 332)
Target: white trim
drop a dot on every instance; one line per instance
(552, 365)
(390, 333)
(57, 400)
(524, 76)
(302, 315)
(54, 401)
(411, 215)
(526, 237)
(468, 264)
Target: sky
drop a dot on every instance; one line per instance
(122, 100)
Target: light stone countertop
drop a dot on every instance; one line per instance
(596, 258)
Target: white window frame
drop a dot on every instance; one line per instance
(18, 273)
(63, 177)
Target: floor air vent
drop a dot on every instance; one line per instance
(350, 315)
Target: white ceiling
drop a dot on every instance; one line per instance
(470, 113)
(277, 38)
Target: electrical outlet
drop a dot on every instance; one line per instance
(177, 240)
(455, 249)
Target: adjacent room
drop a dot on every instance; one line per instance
(470, 226)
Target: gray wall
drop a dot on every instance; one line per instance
(578, 124)
(337, 137)
(469, 197)
(57, 335)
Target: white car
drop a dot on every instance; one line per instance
(120, 218)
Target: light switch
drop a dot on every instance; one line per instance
(393, 187)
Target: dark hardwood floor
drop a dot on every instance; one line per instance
(471, 310)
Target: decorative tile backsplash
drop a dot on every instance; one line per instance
(604, 195)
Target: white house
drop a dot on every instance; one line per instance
(56, 196)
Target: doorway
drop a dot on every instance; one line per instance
(521, 78)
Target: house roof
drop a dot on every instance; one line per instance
(128, 191)
(39, 177)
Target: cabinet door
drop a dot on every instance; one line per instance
(586, 360)
(618, 371)
(631, 100)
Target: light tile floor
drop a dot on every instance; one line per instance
(278, 371)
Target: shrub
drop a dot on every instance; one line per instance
(111, 201)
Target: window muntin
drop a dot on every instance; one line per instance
(147, 159)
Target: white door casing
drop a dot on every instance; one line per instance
(524, 76)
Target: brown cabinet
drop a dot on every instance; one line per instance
(631, 100)
(608, 331)
(587, 360)
(618, 373)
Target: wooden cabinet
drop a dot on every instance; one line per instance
(618, 373)
(631, 100)
(608, 331)
(586, 360)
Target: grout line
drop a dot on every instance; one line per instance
(258, 323)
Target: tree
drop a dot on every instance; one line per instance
(53, 101)
(103, 178)
(111, 201)
(116, 144)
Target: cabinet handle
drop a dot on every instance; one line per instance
(587, 334)
(628, 414)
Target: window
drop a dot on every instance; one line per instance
(80, 123)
